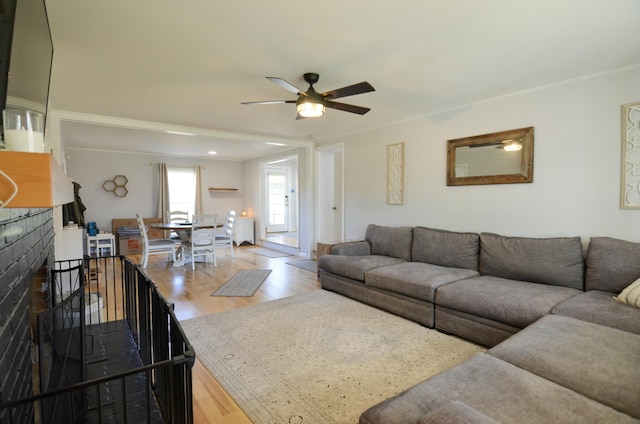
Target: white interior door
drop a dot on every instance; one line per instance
(277, 191)
(330, 194)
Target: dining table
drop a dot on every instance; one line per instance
(183, 230)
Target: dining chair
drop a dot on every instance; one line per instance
(202, 242)
(173, 216)
(225, 237)
(154, 246)
(176, 216)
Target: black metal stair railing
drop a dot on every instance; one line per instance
(123, 358)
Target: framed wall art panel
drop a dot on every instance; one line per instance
(395, 174)
(630, 178)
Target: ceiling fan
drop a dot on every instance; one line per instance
(311, 104)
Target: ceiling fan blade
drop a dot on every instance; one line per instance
(351, 90)
(286, 85)
(269, 102)
(347, 108)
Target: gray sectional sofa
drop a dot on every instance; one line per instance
(562, 348)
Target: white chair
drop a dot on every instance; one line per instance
(225, 237)
(176, 216)
(202, 243)
(155, 246)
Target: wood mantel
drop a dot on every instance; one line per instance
(42, 183)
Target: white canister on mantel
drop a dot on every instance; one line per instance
(23, 130)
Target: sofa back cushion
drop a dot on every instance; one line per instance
(445, 248)
(612, 264)
(557, 261)
(390, 241)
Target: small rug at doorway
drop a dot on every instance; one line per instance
(244, 283)
(306, 265)
(267, 252)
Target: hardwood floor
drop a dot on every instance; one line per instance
(190, 292)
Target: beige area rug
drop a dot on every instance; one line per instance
(318, 357)
(244, 283)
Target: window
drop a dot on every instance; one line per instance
(182, 190)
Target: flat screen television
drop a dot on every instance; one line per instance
(26, 54)
(7, 14)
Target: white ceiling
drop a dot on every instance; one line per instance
(124, 70)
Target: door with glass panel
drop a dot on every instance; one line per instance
(277, 189)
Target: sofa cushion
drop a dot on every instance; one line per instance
(612, 264)
(351, 248)
(598, 362)
(390, 241)
(517, 303)
(445, 248)
(414, 279)
(354, 266)
(630, 295)
(557, 261)
(600, 308)
(504, 392)
(456, 413)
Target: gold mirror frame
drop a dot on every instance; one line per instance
(522, 137)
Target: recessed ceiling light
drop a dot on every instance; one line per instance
(212, 153)
(179, 132)
(275, 144)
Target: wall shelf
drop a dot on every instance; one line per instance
(223, 189)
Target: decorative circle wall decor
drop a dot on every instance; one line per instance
(117, 186)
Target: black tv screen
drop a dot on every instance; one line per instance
(27, 54)
(7, 15)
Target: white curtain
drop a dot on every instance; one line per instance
(163, 192)
(198, 190)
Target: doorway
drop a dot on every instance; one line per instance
(281, 205)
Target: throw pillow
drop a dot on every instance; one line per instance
(630, 295)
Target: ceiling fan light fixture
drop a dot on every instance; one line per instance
(311, 104)
(310, 109)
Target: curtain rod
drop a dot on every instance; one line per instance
(177, 166)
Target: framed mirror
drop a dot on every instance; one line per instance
(498, 158)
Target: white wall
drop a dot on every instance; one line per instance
(576, 187)
(90, 169)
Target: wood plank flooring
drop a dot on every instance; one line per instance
(190, 292)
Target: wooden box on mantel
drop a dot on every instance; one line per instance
(40, 181)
